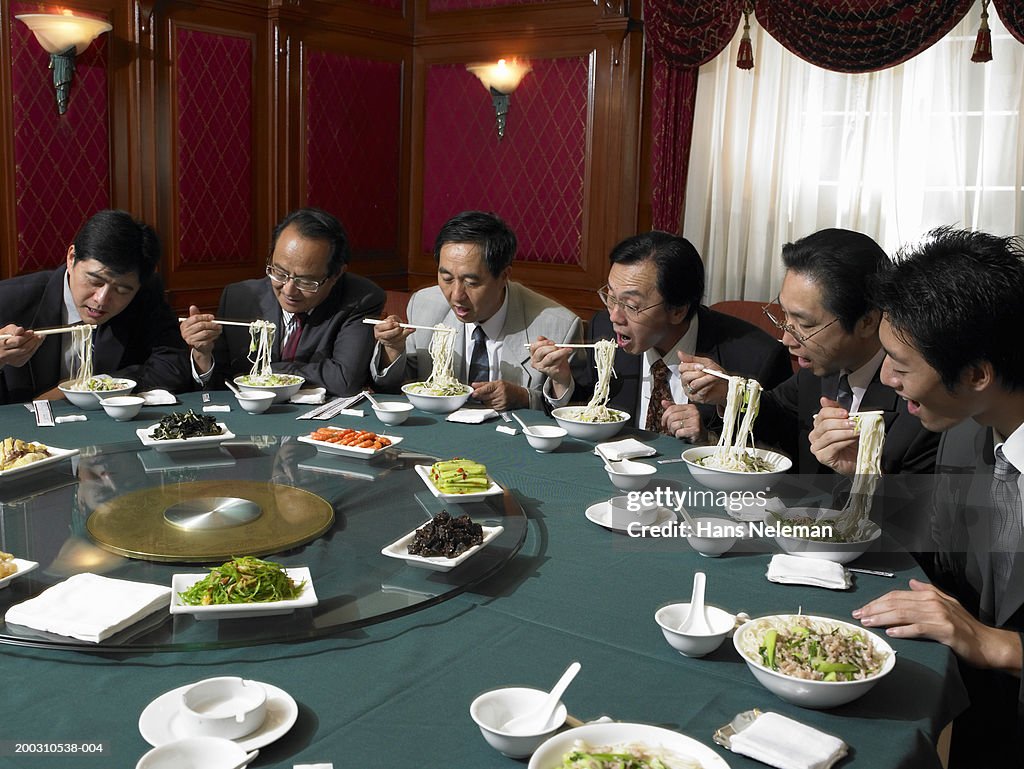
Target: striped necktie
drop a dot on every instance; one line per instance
(292, 345)
(1005, 523)
(660, 391)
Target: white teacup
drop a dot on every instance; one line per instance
(624, 511)
(226, 707)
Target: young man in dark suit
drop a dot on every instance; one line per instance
(316, 304)
(109, 281)
(953, 311)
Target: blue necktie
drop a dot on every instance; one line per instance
(479, 368)
(844, 393)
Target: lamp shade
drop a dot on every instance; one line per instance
(57, 32)
(503, 76)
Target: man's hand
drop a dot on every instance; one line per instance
(683, 421)
(553, 362)
(699, 386)
(17, 349)
(392, 339)
(834, 438)
(924, 611)
(501, 395)
(200, 332)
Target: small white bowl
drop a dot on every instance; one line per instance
(436, 404)
(227, 707)
(282, 393)
(545, 438)
(630, 476)
(391, 413)
(493, 709)
(123, 408)
(194, 753)
(566, 416)
(840, 552)
(714, 536)
(670, 617)
(254, 402)
(735, 480)
(90, 399)
(624, 510)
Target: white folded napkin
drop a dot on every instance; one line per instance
(214, 407)
(797, 570)
(625, 449)
(506, 429)
(787, 744)
(90, 607)
(70, 418)
(310, 395)
(314, 766)
(352, 413)
(472, 416)
(158, 398)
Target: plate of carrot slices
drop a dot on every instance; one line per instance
(350, 442)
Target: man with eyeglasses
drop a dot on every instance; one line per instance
(316, 304)
(108, 281)
(656, 318)
(831, 329)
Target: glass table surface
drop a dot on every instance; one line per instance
(44, 518)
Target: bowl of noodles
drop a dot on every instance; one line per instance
(86, 393)
(284, 386)
(814, 532)
(813, 662)
(731, 470)
(590, 426)
(437, 399)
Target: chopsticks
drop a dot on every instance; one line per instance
(713, 372)
(442, 329)
(224, 322)
(567, 344)
(46, 331)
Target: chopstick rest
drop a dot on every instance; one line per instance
(797, 570)
(787, 744)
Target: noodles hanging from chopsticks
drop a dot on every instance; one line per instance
(81, 350)
(871, 440)
(738, 429)
(261, 345)
(596, 409)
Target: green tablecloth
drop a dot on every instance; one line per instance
(398, 693)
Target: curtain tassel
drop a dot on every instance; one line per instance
(983, 45)
(745, 57)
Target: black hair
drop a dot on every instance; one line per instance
(680, 278)
(957, 297)
(120, 243)
(486, 230)
(841, 263)
(317, 224)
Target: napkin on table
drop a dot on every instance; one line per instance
(158, 398)
(472, 416)
(625, 449)
(90, 607)
(797, 570)
(310, 395)
(787, 744)
(70, 418)
(215, 407)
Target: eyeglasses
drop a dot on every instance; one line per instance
(631, 310)
(305, 285)
(788, 328)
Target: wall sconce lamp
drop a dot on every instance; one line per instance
(501, 79)
(63, 36)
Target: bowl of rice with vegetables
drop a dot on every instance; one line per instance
(284, 386)
(813, 662)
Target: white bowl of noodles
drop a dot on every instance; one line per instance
(736, 480)
(799, 667)
(284, 386)
(589, 430)
(87, 395)
(823, 537)
(418, 395)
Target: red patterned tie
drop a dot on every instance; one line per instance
(292, 345)
(659, 392)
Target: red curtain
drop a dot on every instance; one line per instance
(1011, 13)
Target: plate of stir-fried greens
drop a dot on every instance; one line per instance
(243, 587)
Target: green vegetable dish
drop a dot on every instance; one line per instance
(188, 425)
(269, 380)
(817, 651)
(623, 756)
(243, 580)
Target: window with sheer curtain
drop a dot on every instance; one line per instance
(789, 148)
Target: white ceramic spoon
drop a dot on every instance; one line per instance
(696, 622)
(537, 721)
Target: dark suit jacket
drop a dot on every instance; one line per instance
(142, 342)
(739, 347)
(786, 416)
(335, 346)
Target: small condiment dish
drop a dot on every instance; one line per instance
(494, 709)
(670, 617)
(625, 509)
(227, 707)
(197, 753)
(123, 408)
(714, 536)
(391, 413)
(254, 402)
(628, 475)
(544, 438)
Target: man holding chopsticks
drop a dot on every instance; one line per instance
(109, 281)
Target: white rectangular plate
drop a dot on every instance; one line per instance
(423, 471)
(24, 567)
(56, 455)
(182, 582)
(350, 451)
(400, 549)
(183, 444)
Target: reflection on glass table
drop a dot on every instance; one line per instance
(374, 502)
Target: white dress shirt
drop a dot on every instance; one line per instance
(687, 344)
